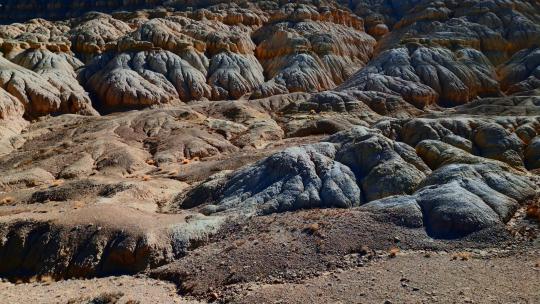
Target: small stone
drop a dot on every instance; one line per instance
(213, 297)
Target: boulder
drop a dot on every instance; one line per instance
(451, 211)
(403, 210)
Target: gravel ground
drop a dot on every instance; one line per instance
(123, 289)
(411, 277)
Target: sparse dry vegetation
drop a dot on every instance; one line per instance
(78, 204)
(107, 298)
(312, 228)
(7, 200)
(393, 252)
(533, 211)
(188, 287)
(239, 243)
(463, 256)
(57, 183)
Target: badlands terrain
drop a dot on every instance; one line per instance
(380, 151)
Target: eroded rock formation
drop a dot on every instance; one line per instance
(129, 138)
(463, 194)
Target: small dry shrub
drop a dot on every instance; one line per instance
(533, 212)
(239, 243)
(188, 287)
(45, 279)
(7, 200)
(320, 245)
(463, 256)
(57, 183)
(361, 250)
(66, 144)
(312, 215)
(78, 204)
(393, 252)
(24, 163)
(312, 229)
(107, 298)
(40, 278)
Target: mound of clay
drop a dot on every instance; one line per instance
(143, 78)
(425, 75)
(464, 194)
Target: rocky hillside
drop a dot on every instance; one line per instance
(198, 135)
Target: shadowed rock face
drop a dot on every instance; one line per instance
(129, 138)
(521, 74)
